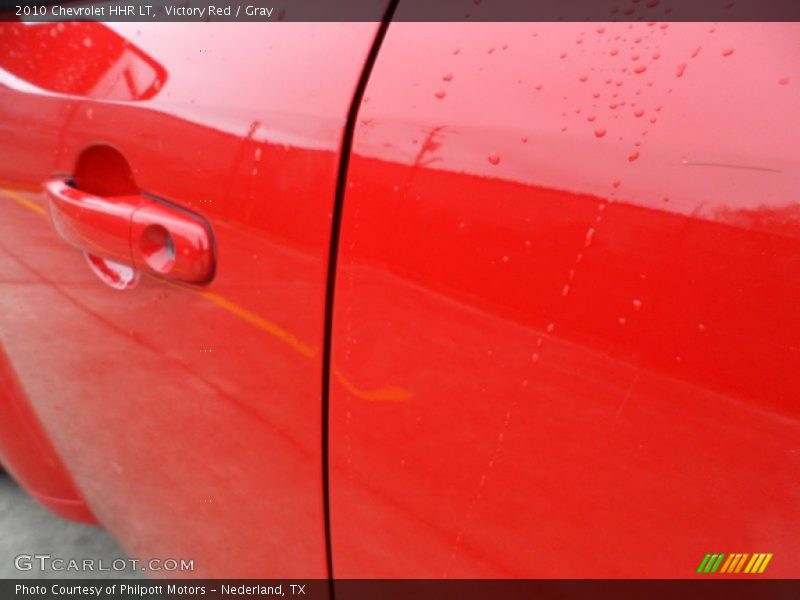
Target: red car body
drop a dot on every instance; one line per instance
(564, 330)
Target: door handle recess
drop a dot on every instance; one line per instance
(135, 230)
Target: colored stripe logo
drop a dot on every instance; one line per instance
(735, 562)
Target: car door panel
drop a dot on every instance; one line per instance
(571, 252)
(189, 416)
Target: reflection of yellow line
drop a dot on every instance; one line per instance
(389, 394)
(261, 323)
(23, 201)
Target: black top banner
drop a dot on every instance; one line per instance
(405, 10)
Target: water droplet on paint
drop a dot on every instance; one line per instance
(494, 158)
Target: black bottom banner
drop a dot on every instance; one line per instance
(364, 589)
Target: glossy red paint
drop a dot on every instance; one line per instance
(565, 325)
(575, 248)
(189, 416)
(29, 455)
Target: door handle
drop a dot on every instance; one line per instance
(136, 230)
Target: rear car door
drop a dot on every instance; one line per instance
(566, 336)
(188, 414)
